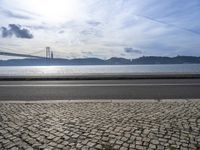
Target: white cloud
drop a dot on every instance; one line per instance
(105, 27)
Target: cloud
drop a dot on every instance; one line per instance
(16, 30)
(61, 32)
(131, 50)
(37, 27)
(93, 23)
(5, 32)
(111, 28)
(11, 14)
(169, 24)
(91, 32)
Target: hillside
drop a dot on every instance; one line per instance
(97, 61)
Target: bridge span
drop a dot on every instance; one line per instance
(49, 53)
(19, 55)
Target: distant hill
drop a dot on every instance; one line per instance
(118, 61)
(97, 61)
(167, 60)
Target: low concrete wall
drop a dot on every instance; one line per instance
(105, 77)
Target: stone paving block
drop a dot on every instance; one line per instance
(131, 125)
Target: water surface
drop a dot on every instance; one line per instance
(97, 69)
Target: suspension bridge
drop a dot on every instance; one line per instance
(49, 53)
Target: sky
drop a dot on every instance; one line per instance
(100, 28)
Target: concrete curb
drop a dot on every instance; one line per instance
(101, 101)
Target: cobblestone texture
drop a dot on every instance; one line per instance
(90, 126)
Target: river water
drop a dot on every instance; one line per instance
(97, 69)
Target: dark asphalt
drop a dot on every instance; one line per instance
(101, 89)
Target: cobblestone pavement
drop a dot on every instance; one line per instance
(123, 126)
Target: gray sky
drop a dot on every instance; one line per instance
(101, 28)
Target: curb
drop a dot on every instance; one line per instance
(99, 101)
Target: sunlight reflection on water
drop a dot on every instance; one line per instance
(79, 70)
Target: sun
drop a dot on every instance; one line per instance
(53, 10)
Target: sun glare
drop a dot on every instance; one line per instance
(53, 10)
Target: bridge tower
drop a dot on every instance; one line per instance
(51, 54)
(48, 52)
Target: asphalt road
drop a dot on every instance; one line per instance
(100, 89)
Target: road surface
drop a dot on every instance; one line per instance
(100, 89)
